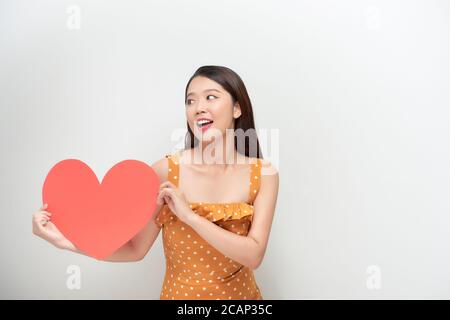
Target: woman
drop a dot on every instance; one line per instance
(216, 201)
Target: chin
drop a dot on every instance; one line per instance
(205, 139)
(208, 135)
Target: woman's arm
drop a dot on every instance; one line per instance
(248, 250)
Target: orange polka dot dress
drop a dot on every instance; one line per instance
(194, 268)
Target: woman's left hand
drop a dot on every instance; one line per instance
(175, 199)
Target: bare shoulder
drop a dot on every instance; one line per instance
(269, 172)
(269, 186)
(161, 168)
(267, 167)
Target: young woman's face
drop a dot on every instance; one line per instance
(209, 109)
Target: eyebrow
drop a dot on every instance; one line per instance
(203, 91)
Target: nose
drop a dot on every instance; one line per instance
(201, 108)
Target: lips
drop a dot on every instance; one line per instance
(204, 124)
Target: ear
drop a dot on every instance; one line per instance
(236, 110)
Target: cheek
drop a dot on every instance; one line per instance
(190, 115)
(224, 114)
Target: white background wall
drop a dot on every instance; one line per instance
(358, 89)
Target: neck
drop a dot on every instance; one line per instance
(219, 152)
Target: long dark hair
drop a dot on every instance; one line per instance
(234, 85)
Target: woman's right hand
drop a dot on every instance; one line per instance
(44, 228)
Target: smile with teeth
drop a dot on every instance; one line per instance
(204, 123)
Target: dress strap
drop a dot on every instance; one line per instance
(255, 180)
(174, 169)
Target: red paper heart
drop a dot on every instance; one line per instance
(100, 218)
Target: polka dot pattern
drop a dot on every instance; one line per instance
(194, 268)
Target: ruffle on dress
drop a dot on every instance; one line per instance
(211, 211)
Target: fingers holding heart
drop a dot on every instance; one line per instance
(175, 199)
(168, 196)
(165, 197)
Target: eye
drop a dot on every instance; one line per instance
(188, 101)
(210, 96)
